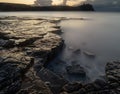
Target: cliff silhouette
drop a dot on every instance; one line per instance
(23, 7)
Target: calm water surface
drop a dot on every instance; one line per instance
(99, 33)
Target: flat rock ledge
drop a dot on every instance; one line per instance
(27, 45)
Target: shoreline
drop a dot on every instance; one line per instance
(26, 46)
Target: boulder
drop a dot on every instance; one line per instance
(78, 51)
(76, 70)
(32, 84)
(89, 54)
(100, 84)
(71, 87)
(56, 82)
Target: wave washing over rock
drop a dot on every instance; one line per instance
(27, 45)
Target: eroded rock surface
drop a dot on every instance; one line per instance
(13, 65)
(24, 42)
(113, 76)
(32, 84)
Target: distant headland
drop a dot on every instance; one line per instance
(23, 7)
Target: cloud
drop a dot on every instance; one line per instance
(43, 2)
(65, 2)
(57, 2)
(106, 5)
(76, 2)
(104, 2)
(98, 4)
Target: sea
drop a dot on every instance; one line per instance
(97, 33)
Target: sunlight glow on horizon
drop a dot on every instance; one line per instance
(19, 1)
(55, 2)
(72, 3)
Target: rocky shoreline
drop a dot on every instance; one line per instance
(27, 45)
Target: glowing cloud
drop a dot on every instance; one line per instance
(74, 2)
(19, 1)
(43, 2)
(57, 2)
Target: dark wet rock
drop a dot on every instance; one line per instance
(12, 68)
(58, 27)
(78, 51)
(81, 91)
(113, 74)
(59, 61)
(7, 43)
(74, 63)
(4, 36)
(32, 84)
(9, 18)
(56, 82)
(103, 77)
(13, 88)
(76, 70)
(55, 30)
(26, 42)
(47, 83)
(71, 87)
(89, 54)
(63, 93)
(96, 86)
(100, 84)
(110, 85)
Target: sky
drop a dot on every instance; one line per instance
(106, 5)
(54, 2)
(19, 1)
(58, 2)
(98, 4)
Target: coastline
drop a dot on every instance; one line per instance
(27, 44)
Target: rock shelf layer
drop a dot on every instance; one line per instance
(27, 45)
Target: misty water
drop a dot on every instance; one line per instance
(98, 33)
